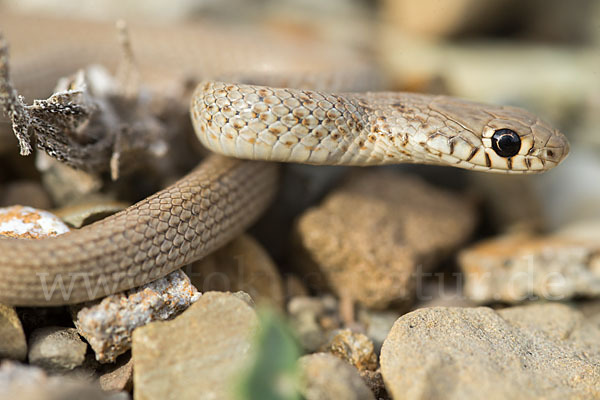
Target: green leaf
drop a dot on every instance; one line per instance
(274, 374)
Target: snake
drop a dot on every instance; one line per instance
(249, 129)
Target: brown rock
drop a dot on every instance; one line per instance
(540, 351)
(12, 338)
(118, 376)
(511, 202)
(56, 348)
(327, 377)
(294, 287)
(546, 20)
(354, 348)
(370, 237)
(241, 265)
(29, 193)
(520, 267)
(430, 18)
(312, 318)
(374, 380)
(198, 354)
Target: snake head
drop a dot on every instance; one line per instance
(498, 138)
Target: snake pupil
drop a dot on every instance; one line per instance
(506, 142)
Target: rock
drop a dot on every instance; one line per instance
(327, 377)
(94, 208)
(199, 353)
(369, 238)
(312, 318)
(241, 265)
(354, 348)
(302, 186)
(377, 325)
(65, 183)
(107, 325)
(589, 308)
(427, 18)
(358, 350)
(543, 20)
(26, 382)
(118, 376)
(56, 348)
(374, 380)
(515, 268)
(245, 297)
(28, 193)
(29, 223)
(511, 202)
(294, 287)
(12, 338)
(539, 351)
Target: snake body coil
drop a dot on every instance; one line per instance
(220, 198)
(186, 221)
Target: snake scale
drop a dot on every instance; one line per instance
(248, 125)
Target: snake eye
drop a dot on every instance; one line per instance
(506, 142)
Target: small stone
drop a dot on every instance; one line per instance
(377, 325)
(312, 318)
(107, 325)
(12, 338)
(94, 208)
(515, 268)
(65, 183)
(372, 236)
(56, 348)
(199, 353)
(327, 377)
(118, 376)
(294, 287)
(241, 265)
(545, 351)
(354, 348)
(29, 223)
(374, 380)
(25, 382)
(245, 297)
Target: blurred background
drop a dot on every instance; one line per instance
(543, 55)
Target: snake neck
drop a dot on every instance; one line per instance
(291, 125)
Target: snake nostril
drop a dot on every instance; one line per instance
(550, 153)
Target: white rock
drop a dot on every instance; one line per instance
(31, 223)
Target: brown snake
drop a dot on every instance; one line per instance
(222, 196)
